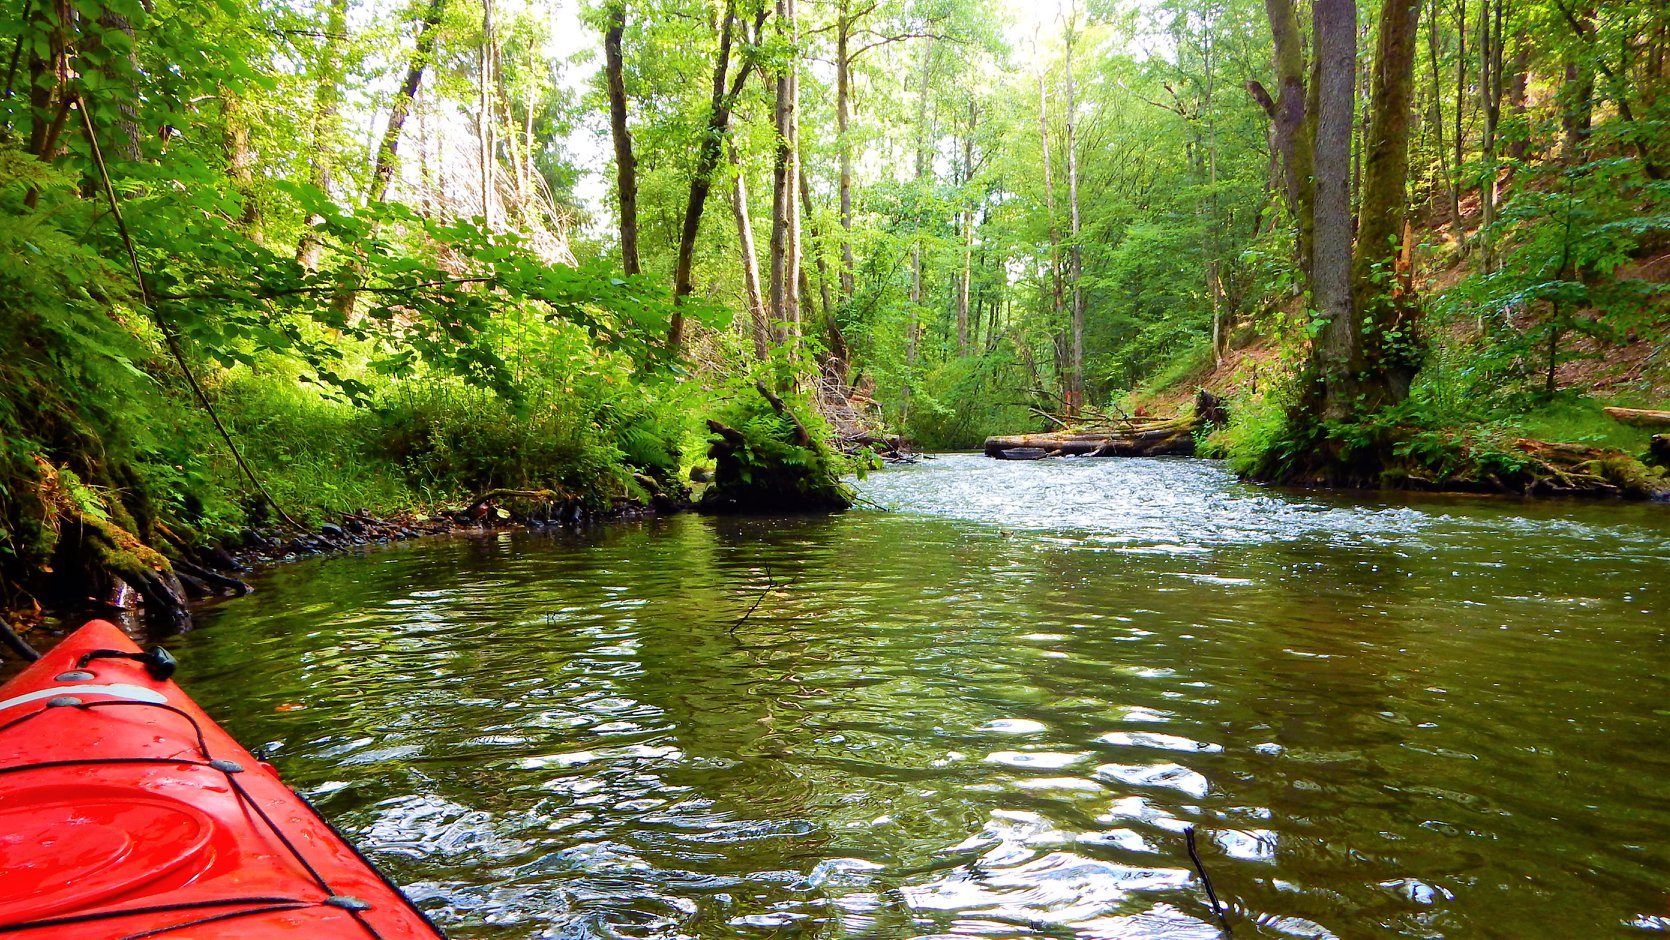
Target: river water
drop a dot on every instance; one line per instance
(991, 711)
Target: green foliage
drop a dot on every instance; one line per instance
(425, 357)
(963, 401)
(319, 456)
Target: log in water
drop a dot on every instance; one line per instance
(1170, 437)
(1122, 437)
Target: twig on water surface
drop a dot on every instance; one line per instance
(1205, 879)
(771, 585)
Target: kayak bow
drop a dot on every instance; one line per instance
(126, 812)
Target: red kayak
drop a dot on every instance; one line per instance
(125, 812)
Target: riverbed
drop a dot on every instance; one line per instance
(987, 705)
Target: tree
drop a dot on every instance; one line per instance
(1075, 382)
(626, 165)
(1362, 358)
(712, 147)
(327, 95)
(785, 196)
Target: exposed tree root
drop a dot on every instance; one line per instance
(1577, 469)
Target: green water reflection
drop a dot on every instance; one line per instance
(991, 712)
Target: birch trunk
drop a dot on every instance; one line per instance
(750, 261)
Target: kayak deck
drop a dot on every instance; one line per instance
(126, 812)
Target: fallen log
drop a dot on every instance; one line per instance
(1173, 438)
(1640, 417)
(1124, 436)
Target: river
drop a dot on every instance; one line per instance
(990, 710)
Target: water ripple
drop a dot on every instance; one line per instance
(991, 713)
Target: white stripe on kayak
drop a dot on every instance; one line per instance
(137, 693)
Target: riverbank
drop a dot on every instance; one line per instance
(762, 452)
(219, 568)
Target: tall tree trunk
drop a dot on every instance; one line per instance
(838, 354)
(1387, 355)
(484, 116)
(1214, 279)
(707, 160)
(626, 165)
(785, 204)
(1362, 358)
(240, 161)
(1075, 399)
(750, 261)
(1490, 106)
(388, 152)
(1517, 90)
(1452, 185)
(327, 95)
(1058, 293)
(924, 135)
(843, 141)
(1293, 130)
(965, 220)
(1336, 344)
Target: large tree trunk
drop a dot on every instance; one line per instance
(327, 95)
(1365, 359)
(785, 204)
(750, 261)
(1293, 131)
(240, 160)
(707, 160)
(1335, 345)
(626, 165)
